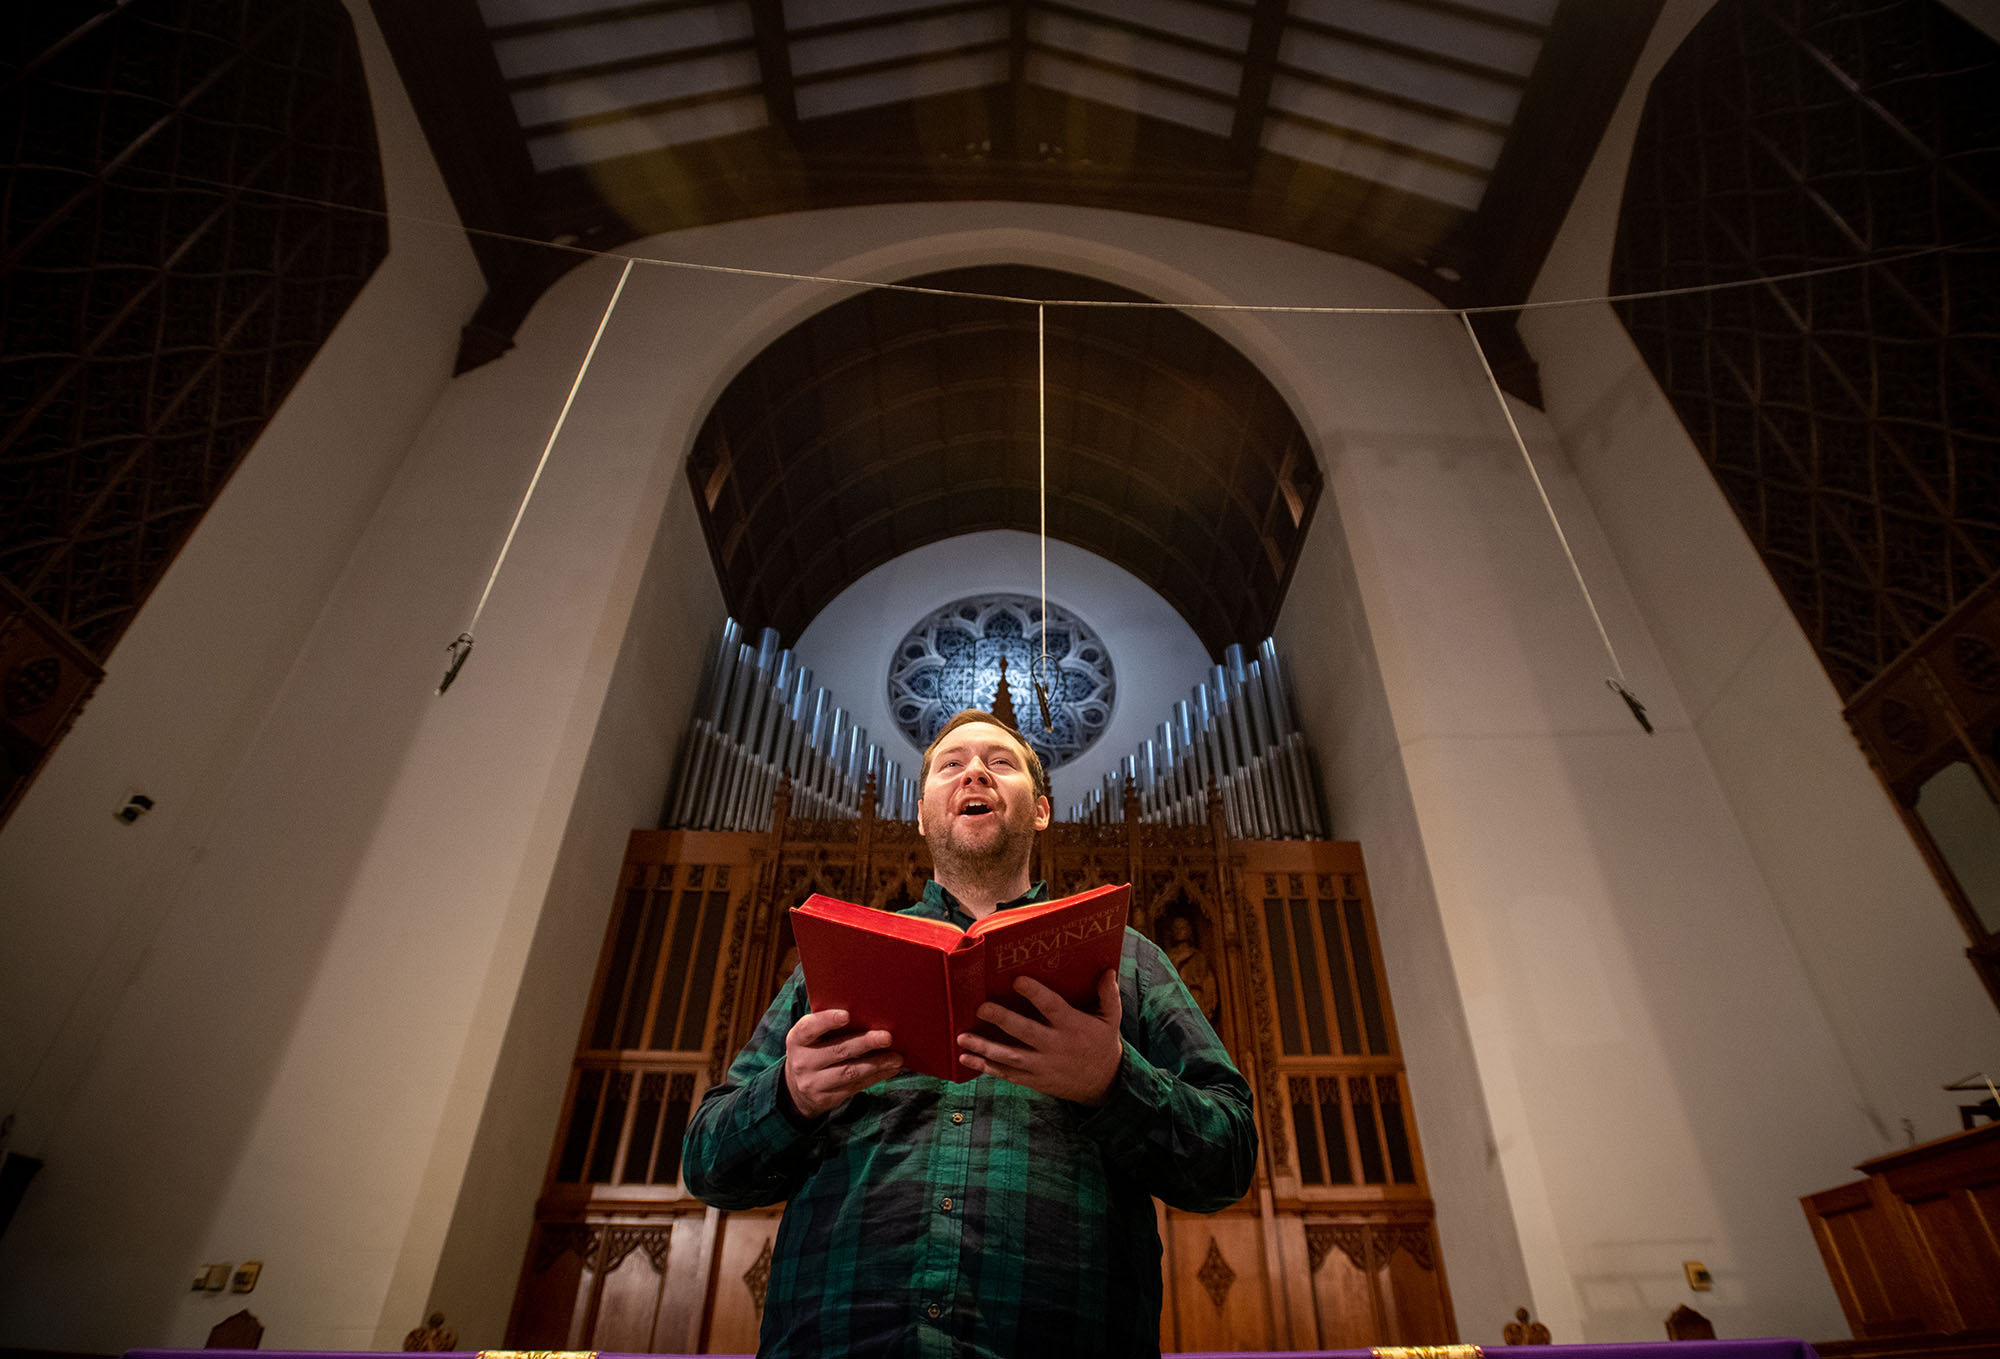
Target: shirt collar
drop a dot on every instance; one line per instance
(942, 905)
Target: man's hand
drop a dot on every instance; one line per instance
(1073, 1056)
(823, 1066)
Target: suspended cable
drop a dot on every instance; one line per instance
(1617, 682)
(461, 647)
(1040, 676)
(1134, 304)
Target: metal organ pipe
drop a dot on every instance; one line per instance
(759, 715)
(1238, 730)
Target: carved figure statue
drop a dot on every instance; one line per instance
(1522, 1331)
(432, 1336)
(1193, 965)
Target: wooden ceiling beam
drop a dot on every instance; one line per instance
(1586, 62)
(1260, 66)
(774, 62)
(447, 63)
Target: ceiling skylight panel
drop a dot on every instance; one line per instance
(592, 96)
(1379, 164)
(509, 13)
(1448, 33)
(647, 132)
(897, 40)
(916, 80)
(1129, 91)
(1354, 63)
(1211, 24)
(1539, 12)
(1472, 144)
(1136, 52)
(803, 15)
(593, 44)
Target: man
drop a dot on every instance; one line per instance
(1008, 1215)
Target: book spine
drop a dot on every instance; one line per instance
(965, 978)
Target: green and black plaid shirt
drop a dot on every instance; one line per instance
(980, 1218)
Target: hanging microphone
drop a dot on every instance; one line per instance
(1632, 702)
(458, 651)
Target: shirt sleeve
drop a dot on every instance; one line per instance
(746, 1146)
(1178, 1114)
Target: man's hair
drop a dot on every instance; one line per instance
(971, 715)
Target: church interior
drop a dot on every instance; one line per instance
(1490, 509)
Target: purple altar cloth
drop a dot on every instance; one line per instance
(1651, 1349)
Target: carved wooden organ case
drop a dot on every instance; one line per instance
(1335, 1246)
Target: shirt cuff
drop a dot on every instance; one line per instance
(1132, 1104)
(774, 1123)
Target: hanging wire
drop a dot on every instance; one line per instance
(1040, 676)
(795, 276)
(1617, 682)
(461, 646)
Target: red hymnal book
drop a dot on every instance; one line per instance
(924, 979)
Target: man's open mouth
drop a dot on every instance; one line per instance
(974, 808)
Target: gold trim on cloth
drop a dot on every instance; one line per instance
(538, 1354)
(1428, 1352)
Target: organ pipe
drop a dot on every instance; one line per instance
(759, 716)
(1238, 730)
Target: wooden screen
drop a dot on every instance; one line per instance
(1334, 1246)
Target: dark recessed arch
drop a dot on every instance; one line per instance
(892, 420)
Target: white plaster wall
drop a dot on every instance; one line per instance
(1612, 945)
(646, 710)
(1323, 638)
(1156, 656)
(105, 1241)
(1882, 951)
(1982, 14)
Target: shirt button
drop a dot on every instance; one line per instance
(958, 1118)
(945, 1205)
(935, 1311)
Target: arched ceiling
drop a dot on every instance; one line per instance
(1439, 139)
(891, 420)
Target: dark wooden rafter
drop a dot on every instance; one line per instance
(774, 62)
(445, 57)
(1586, 61)
(1260, 66)
(1849, 419)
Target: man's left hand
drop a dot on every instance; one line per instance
(1069, 1053)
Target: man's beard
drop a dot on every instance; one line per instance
(999, 860)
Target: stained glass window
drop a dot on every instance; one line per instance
(950, 661)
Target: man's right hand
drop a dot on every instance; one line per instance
(823, 1066)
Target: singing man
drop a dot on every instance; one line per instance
(1007, 1215)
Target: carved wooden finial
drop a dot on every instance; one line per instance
(1003, 699)
(1521, 1331)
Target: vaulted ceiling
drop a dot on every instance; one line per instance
(894, 419)
(1439, 139)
